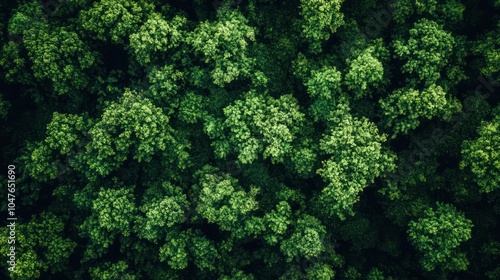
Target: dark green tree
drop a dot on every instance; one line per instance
(319, 20)
(131, 126)
(258, 126)
(482, 156)
(437, 236)
(426, 51)
(114, 20)
(356, 158)
(223, 45)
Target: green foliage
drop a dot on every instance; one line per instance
(115, 210)
(251, 139)
(40, 246)
(238, 275)
(405, 107)
(488, 47)
(437, 236)
(13, 63)
(448, 11)
(60, 56)
(426, 51)
(130, 126)
(156, 35)
(204, 251)
(365, 72)
(161, 211)
(356, 159)
(65, 135)
(26, 16)
(259, 124)
(483, 157)
(174, 251)
(325, 84)
(191, 108)
(320, 18)
(223, 45)
(39, 163)
(304, 158)
(357, 231)
(491, 253)
(320, 271)
(164, 85)
(4, 107)
(375, 274)
(63, 132)
(352, 273)
(110, 271)
(271, 64)
(223, 202)
(114, 20)
(278, 221)
(306, 240)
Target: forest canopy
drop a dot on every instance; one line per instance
(250, 139)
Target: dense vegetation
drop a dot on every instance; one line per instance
(252, 139)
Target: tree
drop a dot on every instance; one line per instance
(259, 124)
(491, 254)
(223, 202)
(157, 36)
(437, 236)
(61, 148)
(357, 157)
(164, 86)
(60, 56)
(130, 126)
(174, 250)
(449, 11)
(163, 208)
(112, 213)
(114, 20)
(320, 271)
(115, 210)
(488, 47)
(13, 63)
(4, 107)
(64, 132)
(365, 73)
(357, 230)
(404, 108)
(319, 19)
(39, 163)
(191, 108)
(110, 271)
(426, 51)
(325, 83)
(324, 86)
(223, 45)
(205, 252)
(260, 139)
(277, 222)
(482, 155)
(56, 53)
(306, 240)
(40, 246)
